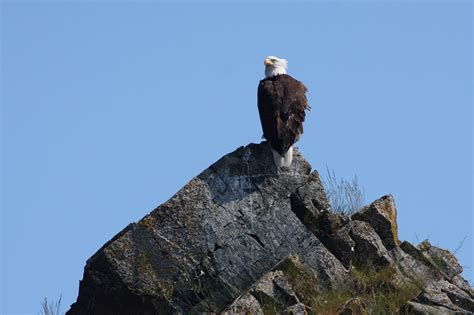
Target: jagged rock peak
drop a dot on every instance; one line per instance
(244, 237)
(211, 241)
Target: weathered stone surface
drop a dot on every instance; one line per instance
(210, 242)
(273, 289)
(440, 295)
(297, 309)
(246, 304)
(324, 223)
(382, 216)
(443, 260)
(446, 294)
(423, 309)
(463, 285)
(415, 253)
(342, 246)
(279, 291)
(409, 269)
(357, 243)
(302, 280)
(284, 288)
(312, 197)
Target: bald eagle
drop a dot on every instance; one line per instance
(281, 104)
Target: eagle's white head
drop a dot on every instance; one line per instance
(275, 66)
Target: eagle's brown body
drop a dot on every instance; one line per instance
(281, 104)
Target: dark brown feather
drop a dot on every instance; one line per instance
(281, 104)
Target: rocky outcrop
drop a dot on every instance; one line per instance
(382, 216)
(244, 237)
(211, 241)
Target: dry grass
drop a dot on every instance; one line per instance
(345, 197)
(378, 291)
(374, 289)
(330, 302)
(303, 281)
(51, 307)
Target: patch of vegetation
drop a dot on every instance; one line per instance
(439, 263)
(345, 197)
(269, 307)
(415, 253)
(51, 307)
(392, 300)
(374, 291)
(370, 287)
(380, 292)
(434, 260)
(303, 281)
(371, 279)
(424, 246)
(330, 302)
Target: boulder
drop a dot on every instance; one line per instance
(463, 285)
(297, 309)
(274, 291)
(357, 243)
(246, 304)
(382, 216)
(441, 259)
(447, 295)
(423, 309)
(409, 269)
(301, 279)
(284, 290)
(323, 224)
(437, 272)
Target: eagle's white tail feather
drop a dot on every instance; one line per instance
(279, 160)
(283, 161)
(288, 157)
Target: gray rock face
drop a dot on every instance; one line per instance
(274, 289)
(447, 295)
(408, 268)
(297, 309)
(246, 304)
(211, 241)
(356, 243)
(245, 238)
(284, 290)
(382, 215)
(423, 309)
(441, 259)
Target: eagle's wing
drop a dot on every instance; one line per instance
(282, 103)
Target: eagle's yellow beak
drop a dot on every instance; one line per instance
(267, 62)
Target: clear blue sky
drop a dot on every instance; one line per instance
(108, 109)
